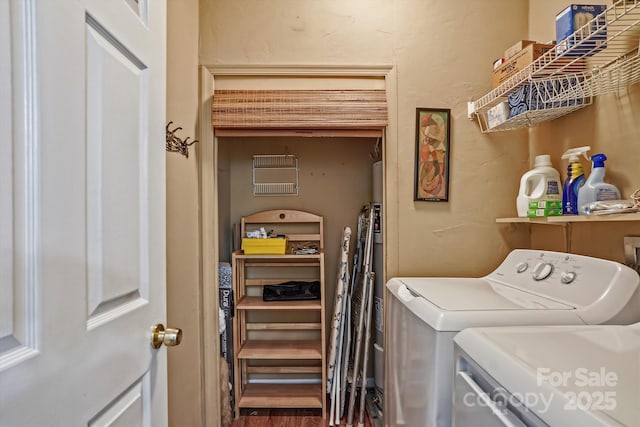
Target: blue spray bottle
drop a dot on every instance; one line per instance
(575, 179)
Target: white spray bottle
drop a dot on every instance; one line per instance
(594, 188)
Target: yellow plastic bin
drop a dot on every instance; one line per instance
(269, 246)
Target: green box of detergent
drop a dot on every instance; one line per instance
(546, 204)
(534, 213)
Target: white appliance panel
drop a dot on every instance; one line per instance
(476, 294)
(590, 375)
(598, 288)
(417, 369)
(471, 313)
(530, 287)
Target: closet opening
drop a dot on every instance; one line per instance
(335, 179)
(335, 164)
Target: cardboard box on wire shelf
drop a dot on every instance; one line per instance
(519, 61)
(517, 47)
(498, 114)
(588, 39)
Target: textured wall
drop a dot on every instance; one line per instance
(183, 233)
(442, 56)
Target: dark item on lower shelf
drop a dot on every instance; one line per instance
(291, 291)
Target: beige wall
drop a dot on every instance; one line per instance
(183, 233)
(610, 126)
(335, 178)
(441, 57)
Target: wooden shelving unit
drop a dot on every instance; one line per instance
(280, 351)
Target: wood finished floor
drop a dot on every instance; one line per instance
(287, 418)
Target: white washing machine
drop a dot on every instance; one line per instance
(562, 376)
(530, 287)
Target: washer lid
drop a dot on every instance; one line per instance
(572, 375)
(465, 294)
(452, 304)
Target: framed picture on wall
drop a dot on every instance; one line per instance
(433, 144)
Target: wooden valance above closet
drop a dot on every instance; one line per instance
(299, 112)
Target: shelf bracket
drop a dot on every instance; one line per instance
(471, 110)
(568, 235)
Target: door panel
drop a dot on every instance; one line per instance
(7, 340)
(129, 409)
(117, 95)
(18, 326)
(82, 212)
(6, 182)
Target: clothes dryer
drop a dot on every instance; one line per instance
(587, 376)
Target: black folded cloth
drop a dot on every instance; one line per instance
(291, 291)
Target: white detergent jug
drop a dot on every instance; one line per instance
(539, 184)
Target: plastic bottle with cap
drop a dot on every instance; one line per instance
(575, 179)
(542, 183)
(594, 188)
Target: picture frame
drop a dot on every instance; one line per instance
(433, 146)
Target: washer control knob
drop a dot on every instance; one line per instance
(567, 277)
(521, 267)
(542, 271)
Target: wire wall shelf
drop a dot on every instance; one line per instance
(531, 118)
(602, 56)
(275, 175)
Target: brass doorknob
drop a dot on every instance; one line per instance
(169, 337)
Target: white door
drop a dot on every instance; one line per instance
(82, 212)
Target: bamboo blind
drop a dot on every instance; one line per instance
(299, 109)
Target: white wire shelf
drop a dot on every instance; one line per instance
(600, 57)
(530, 118)
(275, 161)
(275, 175)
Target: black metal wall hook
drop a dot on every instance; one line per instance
(176, 144)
